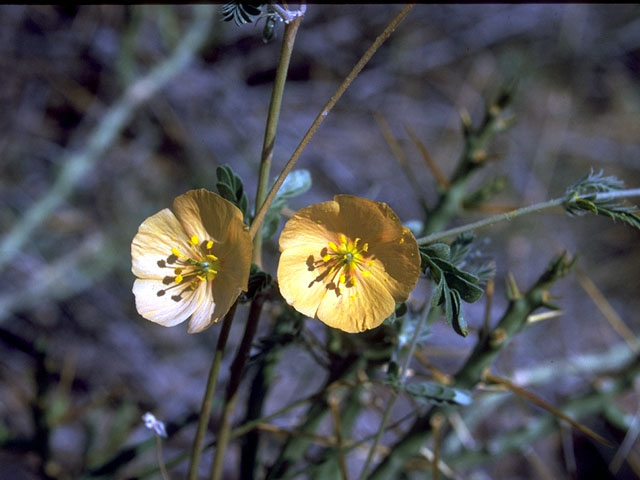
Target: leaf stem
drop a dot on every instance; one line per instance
(260, 214)
(271, 127)
(205, 409)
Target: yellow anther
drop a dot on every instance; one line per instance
(326, 258)
(366, 273)
(333, 246)
(212, 257)
(211, 274)
(343, 240)
(353, 281)
(194, 240)
(178, 278)
(365, 247)
(209, 244)
(343, 278)
(201, 278)
(355, 242)
(175, 252)
(401, 240)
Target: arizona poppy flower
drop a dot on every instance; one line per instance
(191, 262)
(347, 262)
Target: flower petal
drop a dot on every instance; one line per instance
(151, 246)
(298, 279)
(206, 214)
(400, 261)
(201, 317)
(166, 308)
(367, 309)
(312, 226)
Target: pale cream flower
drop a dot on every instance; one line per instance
(347, 262)
(191, 262)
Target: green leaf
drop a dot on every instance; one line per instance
(596, 194)
(436, 393)
(230, 187)
(258, 282)
(452, 284)
(296, 183)
(241, 12)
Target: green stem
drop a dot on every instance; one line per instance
(273, 116)
(434, 237)
(237, 369)
(260, 214)
(205, 410)
(482, 356)
(394, 393)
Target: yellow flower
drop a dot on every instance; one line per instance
(192, 262)
(347, 262)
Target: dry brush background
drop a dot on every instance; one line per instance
(67, 291)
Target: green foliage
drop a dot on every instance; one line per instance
(297, 183)
(437, 393)
(259, 281)
(398, 313)
(596, 194)
(453, 285)
(230, 187)
(241, 12)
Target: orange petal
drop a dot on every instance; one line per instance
(297, 279)
(166, 309)
(397, 264)
(157, 235)
(366, 310)
(313, 226)
(205, 214)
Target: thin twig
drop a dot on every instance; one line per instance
(258, 219)
(205, 409)
(237, 369)
(290, 30)
(550, 408)
(434, 237)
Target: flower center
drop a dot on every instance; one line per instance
(344, 262)
(188, 272)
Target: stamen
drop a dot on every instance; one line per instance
(178, 278)
(209, 244)
(212, 257)
(194, 240)
(326, 258)
(176, 252)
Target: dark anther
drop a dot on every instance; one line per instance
(172, 259)
(176, 298)
(310, 263)
(162, 263)
(168, 280)
(161, 292)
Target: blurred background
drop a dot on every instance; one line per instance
(70, 334)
